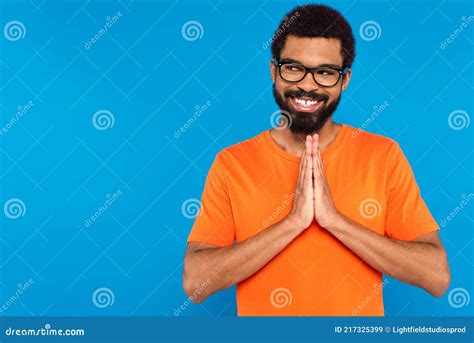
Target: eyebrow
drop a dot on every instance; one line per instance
(327, 65)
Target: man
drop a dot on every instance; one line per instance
(306, 218)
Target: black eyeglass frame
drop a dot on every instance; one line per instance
(341, 71)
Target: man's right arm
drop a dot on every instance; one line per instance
(208, 268)
(219, 268)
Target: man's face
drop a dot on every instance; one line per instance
(309, 104)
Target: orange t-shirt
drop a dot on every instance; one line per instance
(250, 187)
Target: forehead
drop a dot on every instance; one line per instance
(312, 51)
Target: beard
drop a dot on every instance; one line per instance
(304, 122)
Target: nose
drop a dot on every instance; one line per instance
(308, 84)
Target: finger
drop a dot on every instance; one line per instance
(320, 163)
(301, 170)
(323, 176)
(307, 153)
(309, 168)
(314, 149)
(302, 161)
(308, 178)
(318, 173)
(308, 146)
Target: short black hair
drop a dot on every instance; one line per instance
(311, 21)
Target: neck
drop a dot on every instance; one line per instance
(293, 143)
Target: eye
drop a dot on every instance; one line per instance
(326, 72)
(292, 68)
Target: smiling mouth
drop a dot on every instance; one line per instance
(305, 104)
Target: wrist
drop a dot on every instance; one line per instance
(293, 224)
(334, 222)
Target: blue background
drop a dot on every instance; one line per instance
(151, 79)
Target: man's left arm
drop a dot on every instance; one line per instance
(421, 262)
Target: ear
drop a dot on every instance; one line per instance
(273, 70)
(346, 79)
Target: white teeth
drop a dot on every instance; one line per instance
(306, 102)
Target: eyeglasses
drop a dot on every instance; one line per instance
(295, 72)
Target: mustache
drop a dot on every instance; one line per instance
(300, 94)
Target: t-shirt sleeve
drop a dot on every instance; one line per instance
(407, 216)
(215, 222)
